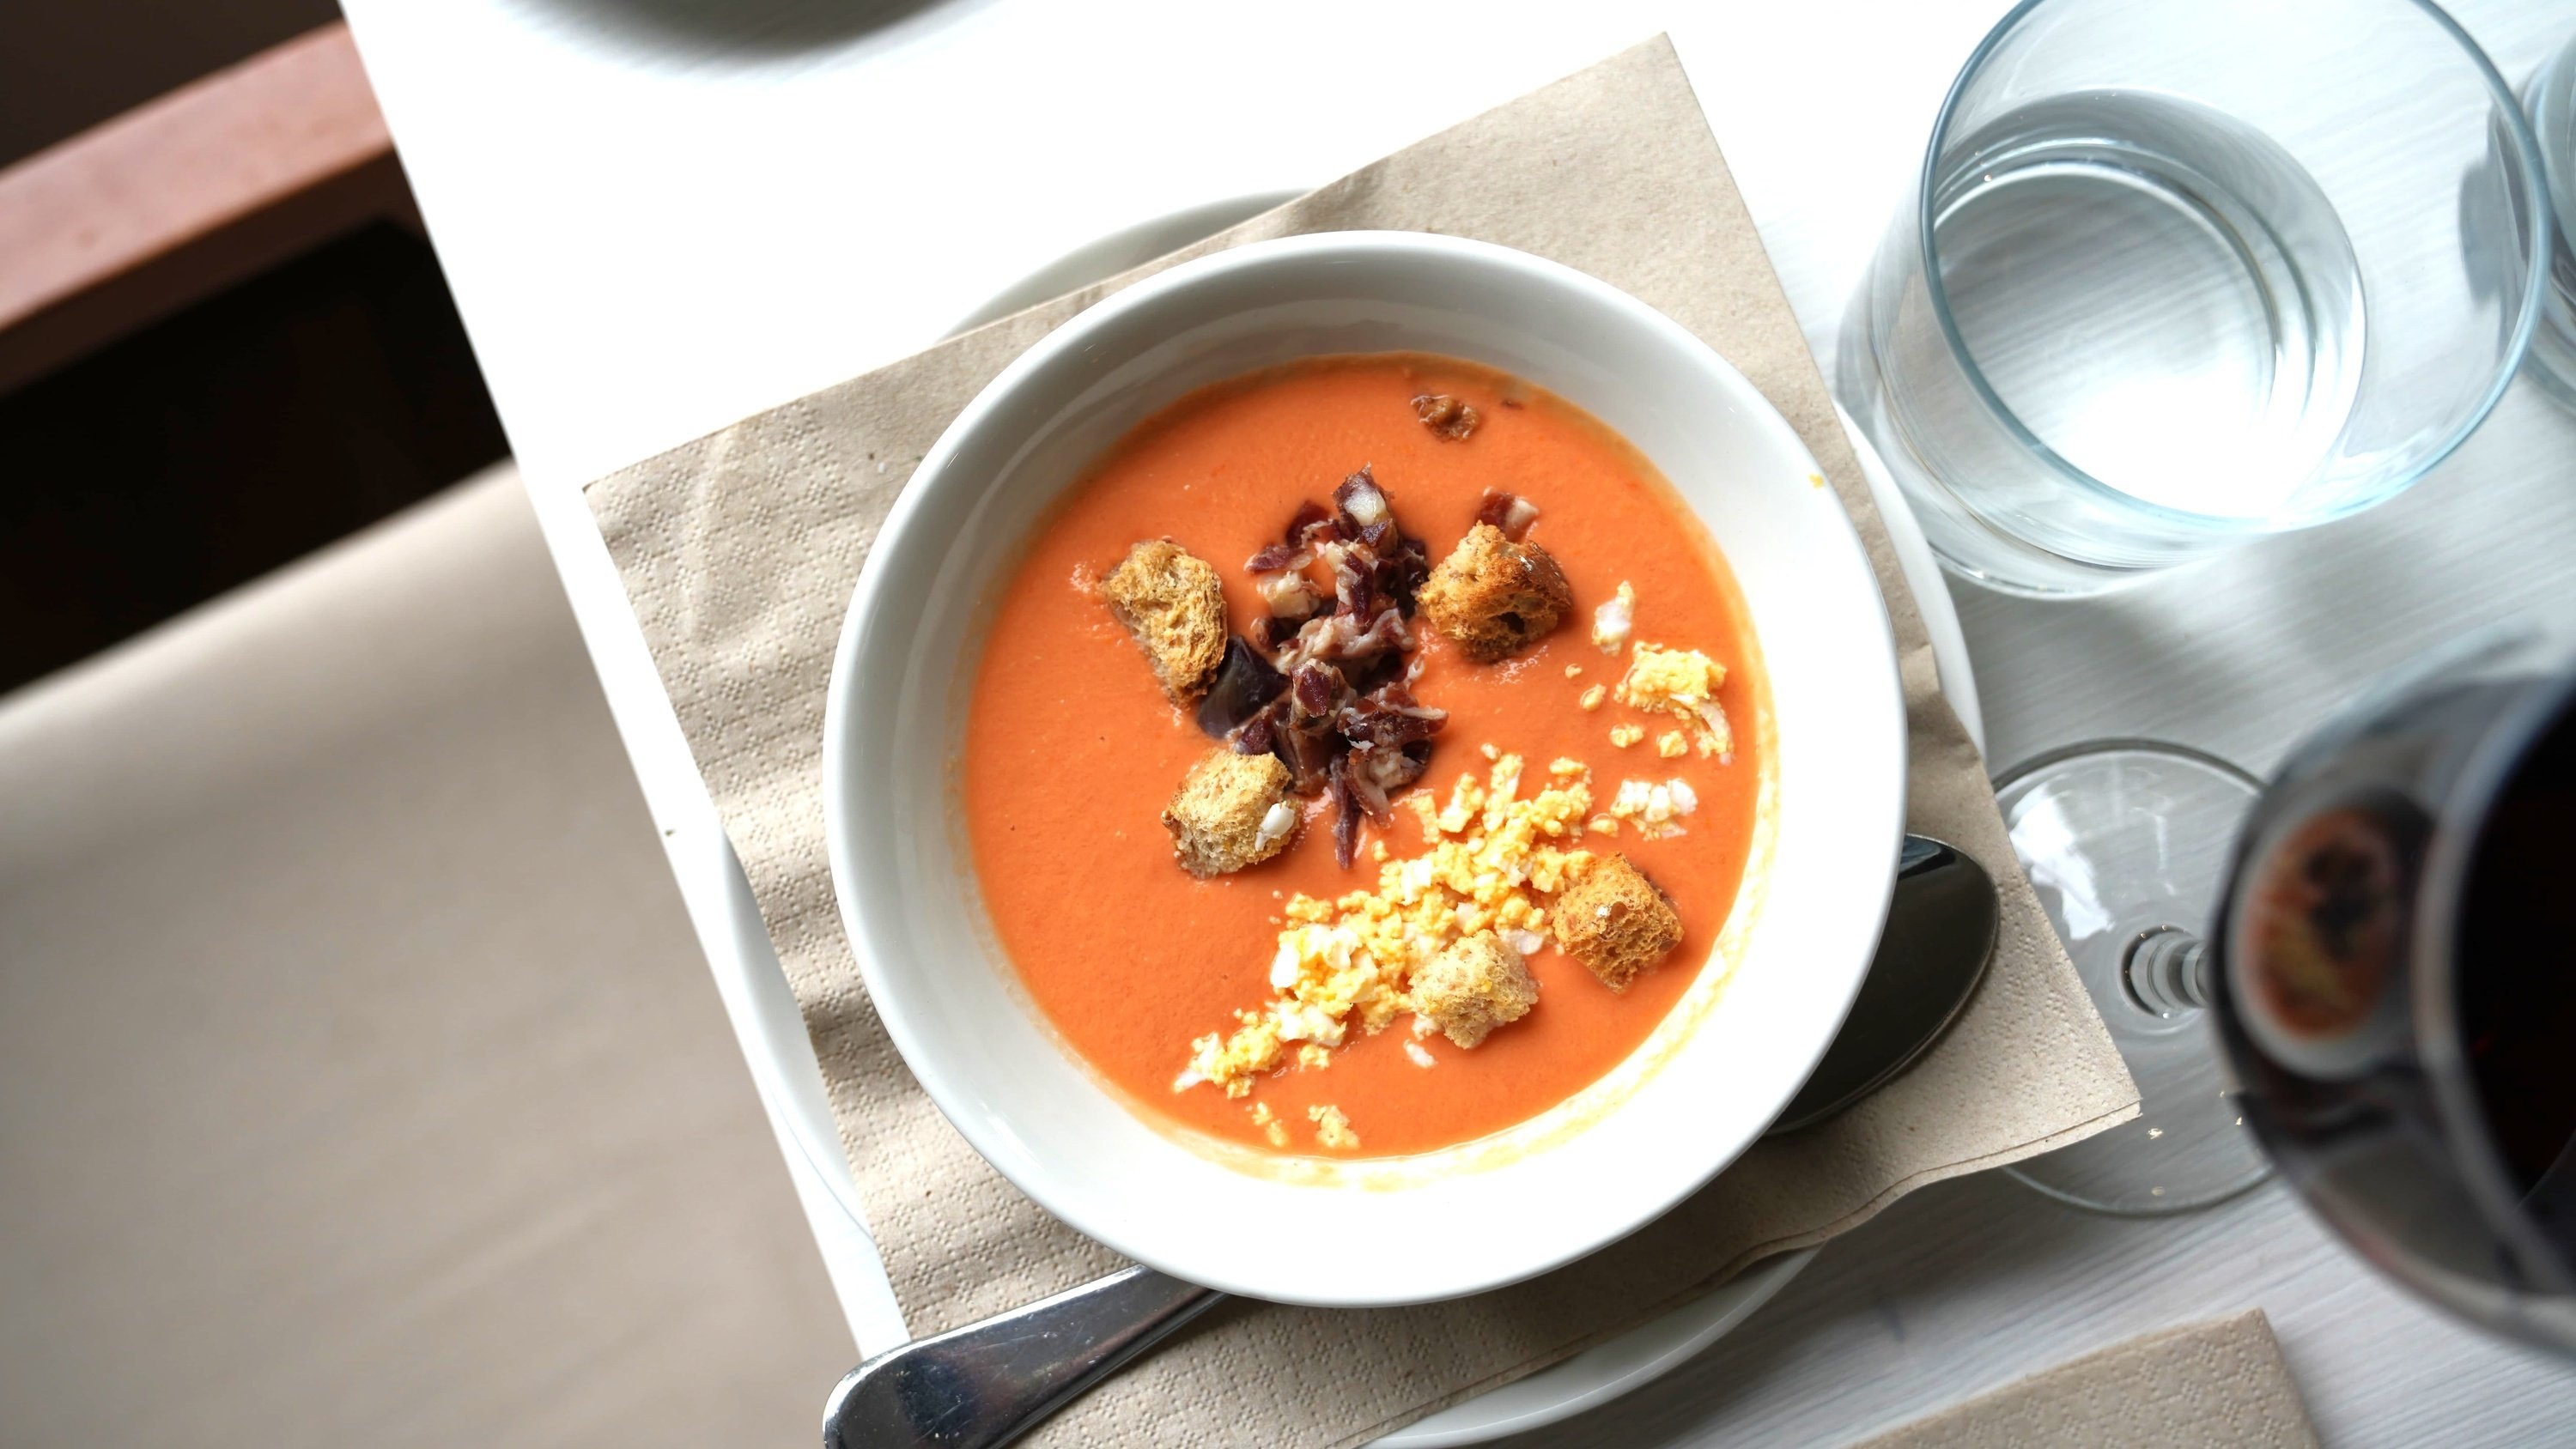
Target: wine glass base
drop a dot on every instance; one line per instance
(2121, 840)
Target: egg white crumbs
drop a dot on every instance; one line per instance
(1613, 620)
(1654, 809)
(1277, 821)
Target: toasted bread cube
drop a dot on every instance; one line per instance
(1477, 984)
(1447, 417)
(1231, 811)
(1614, 920)
(1173, 606)
(1492, 596)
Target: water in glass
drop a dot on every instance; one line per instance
(2159, 292)
(2176, 276)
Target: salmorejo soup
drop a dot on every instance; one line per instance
(1360, 760)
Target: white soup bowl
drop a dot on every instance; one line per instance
(1687, 1103)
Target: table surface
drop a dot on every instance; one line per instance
(660, 215)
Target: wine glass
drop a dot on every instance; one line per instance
(2370, 977)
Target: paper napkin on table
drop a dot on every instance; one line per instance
(2217, 1385)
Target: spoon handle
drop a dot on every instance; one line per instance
(986, 1384)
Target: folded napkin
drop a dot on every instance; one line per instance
(2215, 1385)
(739, 552)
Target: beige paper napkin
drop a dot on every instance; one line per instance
(739, 552)
(2215, 1385)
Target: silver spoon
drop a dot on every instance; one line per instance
(985, 1384)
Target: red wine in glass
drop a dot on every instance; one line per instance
(2395, 984)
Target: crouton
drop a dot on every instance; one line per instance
(1172, 604)
(1492, 596)
(1614, 920)
(1231, 811)
(1447, 417)
(1477, 984)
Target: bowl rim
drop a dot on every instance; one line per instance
(1872, 883)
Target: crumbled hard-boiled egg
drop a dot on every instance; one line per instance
(1272, 1129)
(1277, 821)
(1615, 617)
(1654, 809)
(1332, 1129)
(1491, 861)
(1682, 683)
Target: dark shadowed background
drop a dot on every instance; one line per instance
(241, 432)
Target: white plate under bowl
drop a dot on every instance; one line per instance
(1721, 1065)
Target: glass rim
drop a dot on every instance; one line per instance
(2559, 182)
(2538, 212)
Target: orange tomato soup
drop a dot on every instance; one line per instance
(1072, 750)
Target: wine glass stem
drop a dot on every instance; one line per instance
(2165, 971)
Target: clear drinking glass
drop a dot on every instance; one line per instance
(2176, 275)
(2550, 97)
